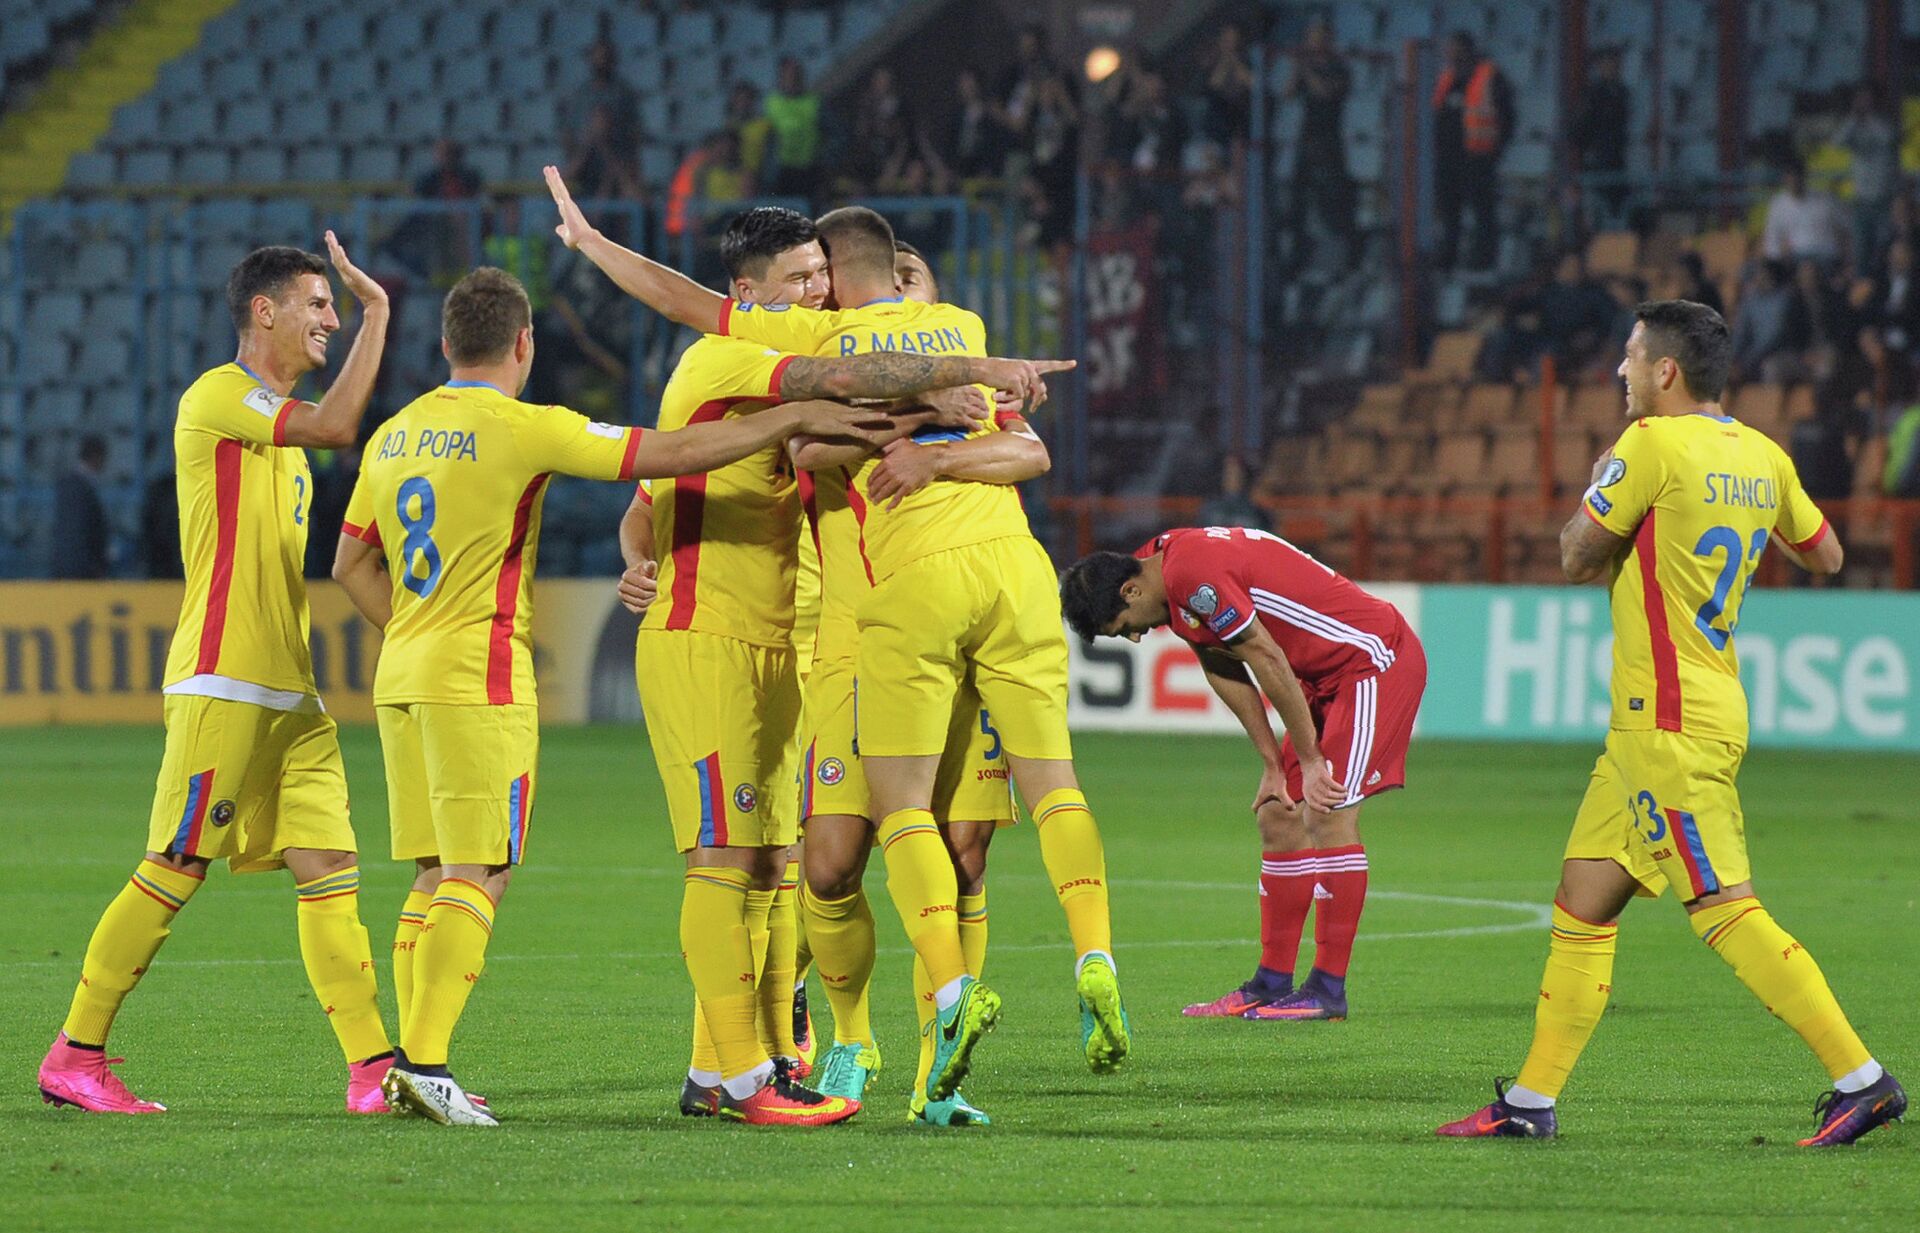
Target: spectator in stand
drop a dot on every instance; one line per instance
(602, 130)
(1833, 327)
(794, 112)
(1802, 223)
(912, 166)
(1892, 303)
(1513, 348)
(1693, 284)
(1018, 90)
(80, 515)
(1770, 327)
(878, 125)
(1233, 505)
(160, 527)
(450, 178)
(585, 332)
(1051, 128)
(1874, 141)
(1145, 132)
(1599, 131)
(1472, 124)
(1576, 313)
(428, 243)
(1321, 184)
(976, 144)
(1229, 90)
(748, 120)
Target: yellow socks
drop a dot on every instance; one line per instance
(776, 974)
(124, 943)
(920, 878)
(1573, 993)
(1077, 862)
(973, 930)
(843, 944)
(406, 939)
(716, 940)
(802, 944)
(449, 959)
(339, 960)
(1784, 977)
(705, 1065)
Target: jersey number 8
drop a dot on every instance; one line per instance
(419, 536)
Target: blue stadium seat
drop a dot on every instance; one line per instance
(420, 121)
(147, 168)
(656, 113)
(60, 312)
(92, 169)
(285, 221)
(634, 30)
(749, 32)
(342, 30)
(103, 262)
(227, 34)
(533, 118)
(205, 166)
(61, 408)
(401, 28)
(456, 30)
(137, 122)
(517, 31)
(466, 74)
(247, 120)
(363, 119)
(280, 39)
(181, 77)
(304, 119)
(260, 164)
(805, 28)
(572, 31)
(110, 312)
(657, 163)
(478, 119)
(493, 162)
(295, 77)
(698, 115)
(221, 216)
(691, 30)
(351, 76)
(189, 120)
(316, 164)
(373, 163)
(235, 78)
(108, 355)
(46, 362)
(523, 74)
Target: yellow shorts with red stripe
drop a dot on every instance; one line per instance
(972, 784)
(721, 715)
(1665, 807)
(990, 611)
(460, 780)
(246, 782)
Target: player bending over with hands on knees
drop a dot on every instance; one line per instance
(1676, 518)
(1345, 672)
(438, 551)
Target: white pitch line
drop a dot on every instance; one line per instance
(1537, 916)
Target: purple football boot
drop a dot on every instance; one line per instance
(1845, 1116)
(1502, 1120)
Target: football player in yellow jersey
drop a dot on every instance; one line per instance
(252, 769)
(449, 500)
(1678, 513)
(993, 607)
(972, 796)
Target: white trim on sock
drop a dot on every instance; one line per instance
(1526, 1098)
(1081, 962)
(946, 995)
(1861, 1079)
(743, 1087)
(705, 1078)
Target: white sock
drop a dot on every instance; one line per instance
(799, 986)
(705, 1078)
(1526, 1098)
(946, 995)
(742, 1087)
(1094, 954)
(1861, 1079)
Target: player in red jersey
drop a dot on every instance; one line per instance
(1345, 672)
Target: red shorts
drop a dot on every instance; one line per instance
(1366, 726)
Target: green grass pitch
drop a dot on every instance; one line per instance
(1682, 1115)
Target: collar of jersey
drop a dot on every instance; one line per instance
(1718, 419)
(885, 299)
(474, 385)
(256, 376)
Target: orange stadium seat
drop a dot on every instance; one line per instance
(1451, 358)
(1613, 252)
(1513, 465)
(1573, 453)
(1488, 406)
(1596, 407)
(1458, 459)
(1799, 406)
(1762, 407)
(1382, 408)
(1722, 253)
(1351, 459)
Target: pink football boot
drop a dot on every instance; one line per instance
(84, 1079)
(363, 1085)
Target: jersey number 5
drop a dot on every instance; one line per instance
(1736, 570)
(419, 536)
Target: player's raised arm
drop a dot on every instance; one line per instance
(334, 421)
(706, 447)
(667, 291)
(901, 374)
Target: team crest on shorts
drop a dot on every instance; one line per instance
(744, 798)
(832, 771)
(222, 813)
(1204, 601)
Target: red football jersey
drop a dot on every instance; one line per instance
(1220, 579)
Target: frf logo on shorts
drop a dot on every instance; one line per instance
(832, 771)
(745, 798)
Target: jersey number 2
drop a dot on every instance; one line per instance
(419, 536)
(1736, 570)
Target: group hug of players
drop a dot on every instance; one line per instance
(849, 634)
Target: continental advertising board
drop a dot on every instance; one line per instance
(1823, 669)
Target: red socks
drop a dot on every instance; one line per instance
(1332, 881)
(1342, 895)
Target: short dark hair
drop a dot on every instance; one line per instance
(1695, 337)
(858, 239)
(266, 271)
(901, 247)
(1090, 591)
(753, 238)
(483, 314)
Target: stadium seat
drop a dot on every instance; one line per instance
(91, 169)
(304, 119)
(749, 32)
(147, 168)
(137, 122)
(373, 164)
(1574, 451)
(401, 27)
(110, 312)
(1613, 252)
(692, 30)
(572, 31)
(493, 162)
(1489, 405)
(1761, 406)
(260, 165)
(103, 262)
(424, 120)
(316, 164)
(456, 30)
(805, 28)
(237, 78)
(284, 42)
(247, 120)
(285, 221)
(58, 311)
(1513, 464)
(363, 119)
(1452, 357)
(517, 31)
(189, 121)
(351, 78)
(1381, 408)
(523, 75)
(344, 30)
(466, 74)
(634, 29)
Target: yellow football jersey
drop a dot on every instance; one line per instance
(450, 489)
(244, 498)
(1698, 495)
(726, 538)
(806, 596)
(946, 513)
(836, 523)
